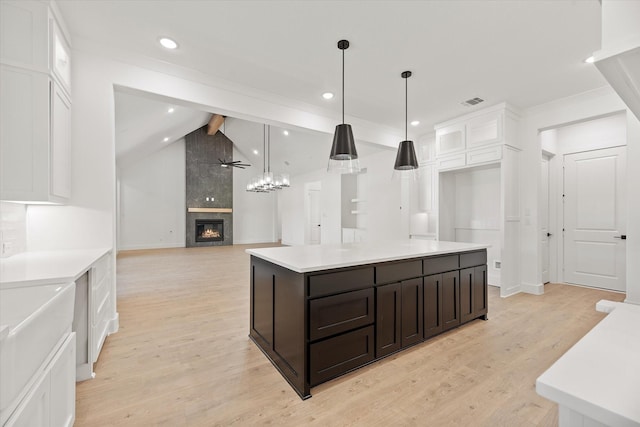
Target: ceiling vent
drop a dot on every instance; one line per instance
(471, 102)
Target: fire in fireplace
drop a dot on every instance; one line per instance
(209, 230)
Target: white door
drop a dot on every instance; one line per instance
(314, 217)
(545, 234)
(595, 218)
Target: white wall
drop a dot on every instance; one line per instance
(152, 200)
(13, 225)
(382, 205)
(255, 215)
(597, 103)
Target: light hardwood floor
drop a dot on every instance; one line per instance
(182, 357)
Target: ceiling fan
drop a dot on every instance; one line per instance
(235, 164)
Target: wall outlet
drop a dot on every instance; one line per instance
(497, 264)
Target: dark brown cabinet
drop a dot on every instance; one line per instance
(432, 305)
(450, 300)
(388, 320)
(315, 326)
(473, 292)
(412, 321)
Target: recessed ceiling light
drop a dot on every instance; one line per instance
(166, 139)
(327, 95)
(255, 152)
(168, 43)
(415, 123)
(171, 110)
(589, 60)
(285, 132)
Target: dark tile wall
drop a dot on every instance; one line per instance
(206, 178)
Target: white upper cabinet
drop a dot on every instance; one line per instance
(450, 139)
(35, 114)
(476, 138)
(484, 130)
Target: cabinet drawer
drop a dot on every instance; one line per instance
(339, 313)
(99, 270)
(342, 281)
(451, 162)
(396, 272)
(440, 264)
(483, 155)
(337, 355)
(471, 259)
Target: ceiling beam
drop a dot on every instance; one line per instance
(214, 124)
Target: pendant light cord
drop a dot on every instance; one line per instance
(264, 144)
(342, 86)
(269, 150)
(406, 107)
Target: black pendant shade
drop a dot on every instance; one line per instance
(344, 146)
(343, 157)
(406, 158)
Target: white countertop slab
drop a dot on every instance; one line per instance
(46, 267)
(308, 258)
(599, 376)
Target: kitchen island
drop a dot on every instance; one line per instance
(320, 311)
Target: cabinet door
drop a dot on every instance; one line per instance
(262, 281)
(60, 143)
(412, 320)
(61, 58)
(450, 139)
(466, 294)
(479, 291)
(484, 130)
(428, 179)
(24, 40)
(24, 140)
(388, 326)
(63, 385)
(450, 300)
(432, 291)
(34, 407)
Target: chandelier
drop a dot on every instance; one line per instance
(267, 181)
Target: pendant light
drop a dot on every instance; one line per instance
(267, 181)
(406, 158)
(344, 156)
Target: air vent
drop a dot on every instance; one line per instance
(471, 102)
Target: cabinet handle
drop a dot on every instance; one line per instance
(622, 237)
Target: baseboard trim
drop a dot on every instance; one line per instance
(508, 292)
(156, 246)
(534, 289)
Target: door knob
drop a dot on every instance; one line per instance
(549, 234)
(622, 237)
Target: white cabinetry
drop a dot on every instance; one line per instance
(91, 316)
(476, 138)
(51, 401)
(35, 110)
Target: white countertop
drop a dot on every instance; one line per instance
(45, 267)
(599, 377)
(308, 258)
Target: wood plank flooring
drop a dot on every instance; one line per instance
(182, 357)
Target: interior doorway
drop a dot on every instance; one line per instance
(545, 231)
(313, 217)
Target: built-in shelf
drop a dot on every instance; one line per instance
(358, 212)
(210, 210)
(357, 200)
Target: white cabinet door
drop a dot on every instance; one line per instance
(62, 403)
(595, 218)
(450, 139)
(60, 143)
(24, 34)
(60, 57)
(484, 130)
(24, 134)
(34, 408)
(426, 188)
